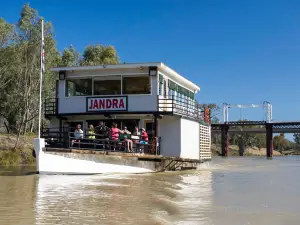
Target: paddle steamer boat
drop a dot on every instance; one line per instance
(144, 95)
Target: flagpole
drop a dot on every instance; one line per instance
(41, 80)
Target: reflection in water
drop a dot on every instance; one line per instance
(17, 197)
(167, 198)
(233, 191)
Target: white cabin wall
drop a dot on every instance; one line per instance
(77, 104)
(169, 131)
(189, 139)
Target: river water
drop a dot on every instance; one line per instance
(232, 191)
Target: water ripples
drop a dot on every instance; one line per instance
(227, 191)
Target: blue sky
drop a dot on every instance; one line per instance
(239, 52)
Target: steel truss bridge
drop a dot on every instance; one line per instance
(258, 127)
(267, 126)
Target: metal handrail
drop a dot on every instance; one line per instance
(50, 106)
(64, 139)
(180, 106)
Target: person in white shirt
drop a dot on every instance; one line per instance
(78, 134)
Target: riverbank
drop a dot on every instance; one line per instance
(234, 151)
(22, 155)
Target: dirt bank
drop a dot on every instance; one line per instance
(23, 154)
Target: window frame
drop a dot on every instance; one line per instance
(76, 96)
(150, 82)
(107, 75)
(101, 78)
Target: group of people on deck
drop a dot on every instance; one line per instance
(102, 132)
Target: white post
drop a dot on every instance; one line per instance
(224, 113)
(41, 81)
(227, 113)
(270, 113)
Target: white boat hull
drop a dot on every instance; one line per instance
(48, 163)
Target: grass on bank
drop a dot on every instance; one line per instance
(22, 155)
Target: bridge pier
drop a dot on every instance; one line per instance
(224, 140)
(269, 137)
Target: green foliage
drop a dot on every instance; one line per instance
(10, 158)
(99, 54)
(70, 57)
(6, 32)
(18, 157)
(297, 139)
(20, 50)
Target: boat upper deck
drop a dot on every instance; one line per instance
(136, 88)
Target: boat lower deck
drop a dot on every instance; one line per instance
(153, 163)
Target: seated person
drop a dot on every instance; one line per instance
(78, 134)
(135, 135)
(144, 137)
(125, 137)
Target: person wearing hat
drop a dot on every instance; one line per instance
(144, 136)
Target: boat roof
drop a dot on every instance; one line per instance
(159, 65)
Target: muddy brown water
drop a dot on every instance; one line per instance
(232, 191)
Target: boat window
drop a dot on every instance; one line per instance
(107, 85)
(136, 85)
(78, 87)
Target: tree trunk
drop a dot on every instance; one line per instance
(6, 127)
(32, 126)
(241, 148)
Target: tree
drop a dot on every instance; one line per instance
(297, 138)
(214, 111)
(70, 57)
(99, 54)
(21, 65)
(20, 51)
(6, 32)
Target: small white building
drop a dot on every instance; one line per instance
(147, 95)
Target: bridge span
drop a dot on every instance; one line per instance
(267, 127)
(259, 130)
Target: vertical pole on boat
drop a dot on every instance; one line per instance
(41, 79)
(155, 126)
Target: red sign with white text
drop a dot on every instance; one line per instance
(107, 104)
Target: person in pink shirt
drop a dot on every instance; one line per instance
(115, 133)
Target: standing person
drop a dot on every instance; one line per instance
(115, 133)
(101, 130)
(91, 135)
(91, 132)
(78, 134)
(102, 133)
